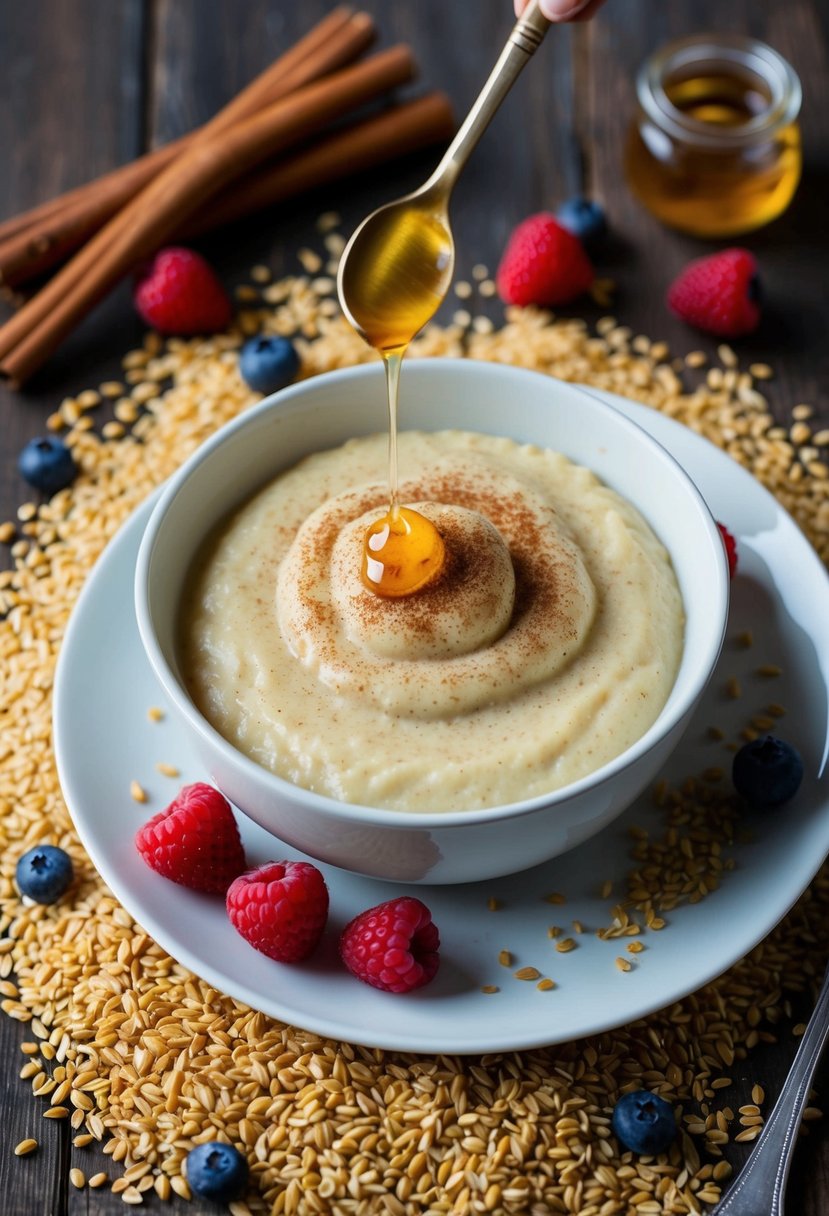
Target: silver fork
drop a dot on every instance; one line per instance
(759, 1188)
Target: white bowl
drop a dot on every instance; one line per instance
(324, 412)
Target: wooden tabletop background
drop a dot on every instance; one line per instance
(87, 85)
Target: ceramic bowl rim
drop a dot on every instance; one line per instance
(717, 598)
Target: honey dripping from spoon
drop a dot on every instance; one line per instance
(402, 551)
(394, 287)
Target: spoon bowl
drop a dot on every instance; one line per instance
(396, 269)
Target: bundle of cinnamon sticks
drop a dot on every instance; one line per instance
(268, 144)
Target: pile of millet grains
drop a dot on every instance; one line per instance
(140, 1054)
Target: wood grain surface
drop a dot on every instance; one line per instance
(88, 85)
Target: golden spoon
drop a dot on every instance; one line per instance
(397, 267)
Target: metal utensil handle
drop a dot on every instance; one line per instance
(527, 35)
(759, 1187)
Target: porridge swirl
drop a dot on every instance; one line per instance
(547, 646)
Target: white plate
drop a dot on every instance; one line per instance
(104, 740)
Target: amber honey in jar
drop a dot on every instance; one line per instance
(714, 149)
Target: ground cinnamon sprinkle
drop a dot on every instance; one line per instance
(148, 1058)
(542, 587)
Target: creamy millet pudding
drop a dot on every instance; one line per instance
(548, 644)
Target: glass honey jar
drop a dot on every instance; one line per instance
(714, 149)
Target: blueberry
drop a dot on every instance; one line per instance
(767, 771)
(44, 873)
(644, 1122)
(217, 1171)
(585, 219)
(47, 464)
(268, 363)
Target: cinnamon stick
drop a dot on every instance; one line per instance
(163, 206)
(26, 220)
(54, 230)
(396, 132)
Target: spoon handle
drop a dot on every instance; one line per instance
(759, 1187)
(527, 35)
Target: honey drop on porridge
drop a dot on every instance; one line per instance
(402, 553)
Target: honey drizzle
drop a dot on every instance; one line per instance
(405, 268)
(402, 551)
(393, 361)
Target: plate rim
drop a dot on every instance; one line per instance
(323, 1024)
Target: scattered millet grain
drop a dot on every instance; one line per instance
(310, 261)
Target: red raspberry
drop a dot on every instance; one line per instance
(393, 946)
(730, 549)
(195, 841)
(281, 908)
(543, 264)
(719, 294)
(180, 294)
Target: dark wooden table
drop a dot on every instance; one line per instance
(87, 85)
